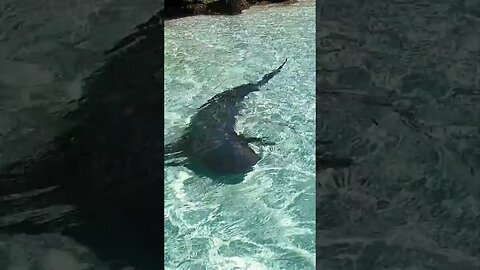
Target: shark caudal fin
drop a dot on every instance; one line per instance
(269, 76)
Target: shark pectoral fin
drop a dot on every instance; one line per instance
(173, 156)
(176, 163)
(265, 142)
(257, 140)
(175, 149)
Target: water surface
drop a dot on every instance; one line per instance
(267, 221)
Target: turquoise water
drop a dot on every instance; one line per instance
(267, 221)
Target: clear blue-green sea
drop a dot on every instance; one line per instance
(268, 220)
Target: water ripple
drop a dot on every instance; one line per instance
(267, 221)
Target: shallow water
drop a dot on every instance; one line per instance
(267, 221)
(399, 95)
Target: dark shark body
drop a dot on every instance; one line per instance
(106, 166)
(211, 144)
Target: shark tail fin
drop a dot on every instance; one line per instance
(267, 77)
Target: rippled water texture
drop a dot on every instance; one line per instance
(47, 49)
(267, 221)
(399, 94)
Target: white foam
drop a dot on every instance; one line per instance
(178, 188)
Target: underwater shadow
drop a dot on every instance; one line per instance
(108, 164)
